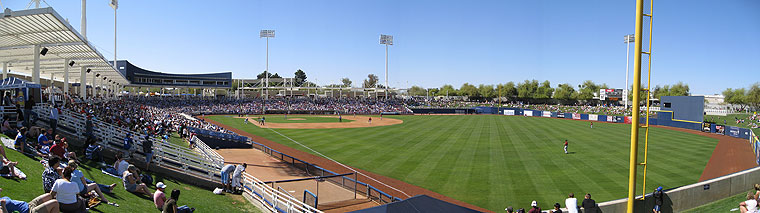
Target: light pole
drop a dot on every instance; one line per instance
(115, 5)
(386, 40)
(267, 34)
(627, 39)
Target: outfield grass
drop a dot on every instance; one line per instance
(299, 119)
(201, 199)
(730, 120)
(498, 161)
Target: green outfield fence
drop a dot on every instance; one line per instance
(346, 182)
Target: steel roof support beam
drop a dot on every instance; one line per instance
(36, 70)
(83, 83)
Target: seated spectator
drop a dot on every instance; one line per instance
(20, 143)
(556, 208)
(119, 166)
(750, 205)
(132, 181)
(66, 192)
(159, 198)
(93, 151)
(589, 205)
(60, 149)
(9, 167)
(51, 173)
(44, 143)
(42, 203)
(86, 185)
(6, 127)
(534, 207)
(571, 203)
(171, 205)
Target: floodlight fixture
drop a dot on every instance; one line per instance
(71, 63)
(44, 51)
(386, 39)
(97, 75)
(266, 34)
(89, 70)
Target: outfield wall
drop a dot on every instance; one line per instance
(694, 195)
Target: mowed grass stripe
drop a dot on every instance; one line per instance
(423, 133)
(440, 159)
(512, 159)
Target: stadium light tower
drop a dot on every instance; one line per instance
(627, 40)
(386, 40)
(115, 5)
(267, 34)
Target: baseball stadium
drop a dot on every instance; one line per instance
(83, 132)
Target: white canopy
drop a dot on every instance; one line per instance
(21, 31)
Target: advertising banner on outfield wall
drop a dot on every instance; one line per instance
(628, 119)
(593, 117)
(610, 118)
(733, 131)
(509, 112)
(528, 113)
(546, 114)
(576, 116)
(561, 115)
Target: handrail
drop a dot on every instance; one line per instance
(273, 199)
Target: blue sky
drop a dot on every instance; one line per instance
(706, 44)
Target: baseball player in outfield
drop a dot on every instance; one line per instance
(565, 146)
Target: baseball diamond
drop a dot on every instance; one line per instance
(486, 160)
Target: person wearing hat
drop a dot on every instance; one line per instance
(535, 208)
(657, 195)
(509, 209)
(159, 198)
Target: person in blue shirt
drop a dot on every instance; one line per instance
(42, 203)
(128, 145)
(44, 142)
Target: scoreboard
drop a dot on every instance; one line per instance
(611, 94)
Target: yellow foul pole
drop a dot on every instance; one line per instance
(635, 115)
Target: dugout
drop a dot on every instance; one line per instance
(419, 203)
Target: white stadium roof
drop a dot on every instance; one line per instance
(21, 31)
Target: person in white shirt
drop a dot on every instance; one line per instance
(54, 118)
(65, 192)
(750, 205)
(571, 203)
(237, 176)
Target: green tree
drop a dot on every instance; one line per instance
(753, 95)
(434, 91)
(527, 89)
(509, 90)
(417, 91)
(486, 91)
(564, 92)
(679, 89)
(370, 82)
(447, 89)
(735, 96)
(468, 90)
(300, 77)
(544, 91)
(587, 90)
(264, 74)
(346, 82)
